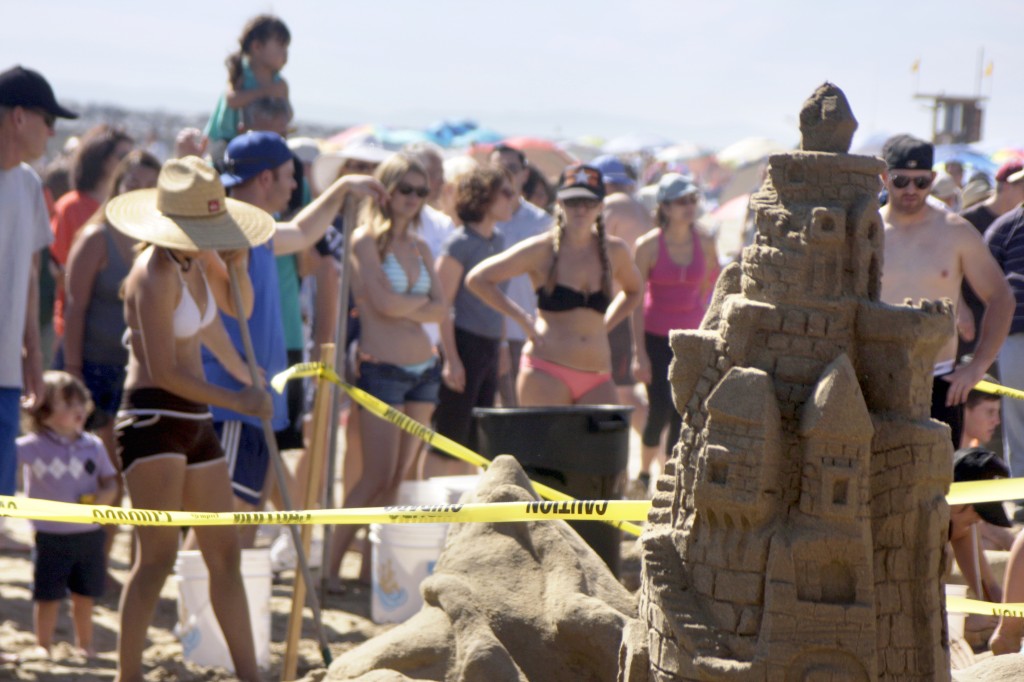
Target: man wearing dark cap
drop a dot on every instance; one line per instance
(1005, 238)
(928, 253)
(28, 111)
(976, 464)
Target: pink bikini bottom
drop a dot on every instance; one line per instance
(577, 381)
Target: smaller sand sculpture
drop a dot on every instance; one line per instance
(797, 531)
(507, 602)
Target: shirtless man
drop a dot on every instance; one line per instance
(928, 252)
(627, 219)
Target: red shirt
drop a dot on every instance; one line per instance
(70, 212)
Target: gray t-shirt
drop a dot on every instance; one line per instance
(528, 221)
(468, 247)
(24, 230)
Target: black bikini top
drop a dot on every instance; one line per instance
(564, 298)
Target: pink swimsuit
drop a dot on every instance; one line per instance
(578, 381)
(675, 296)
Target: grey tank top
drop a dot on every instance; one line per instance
(104, 316)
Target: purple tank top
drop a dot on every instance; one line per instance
(674, 298)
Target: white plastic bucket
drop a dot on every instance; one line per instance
(405, 554)
(201, 638)
(955, 619)
(455, 486)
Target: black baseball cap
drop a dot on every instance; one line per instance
(981, 464)
(580, 181)
(21, 87)
(906, 152)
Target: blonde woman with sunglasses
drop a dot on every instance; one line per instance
(396, 292)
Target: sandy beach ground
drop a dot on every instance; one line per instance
(346, 619)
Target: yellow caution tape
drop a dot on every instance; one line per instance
(983, 608)
(431, 437)
(495, 512)
(999, 389)
(994, 490)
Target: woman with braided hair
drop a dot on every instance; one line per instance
(567, 360)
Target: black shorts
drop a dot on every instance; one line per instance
(951, 415)
(620, 339)
(72, 562)
(155, 423)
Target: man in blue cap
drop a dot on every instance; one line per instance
(258, 169)
(28, 111)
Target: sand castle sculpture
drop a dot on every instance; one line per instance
(508, 602)
(797, 531)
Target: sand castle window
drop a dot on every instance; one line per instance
(719, 472)
(837, 584)
(795, 173)
(839, 490)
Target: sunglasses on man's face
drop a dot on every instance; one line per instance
(407, 189)
(920, 181)
(48, 118)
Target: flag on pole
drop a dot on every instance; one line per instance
(916, 66)
(989, 69)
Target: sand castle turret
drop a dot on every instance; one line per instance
(798, 528)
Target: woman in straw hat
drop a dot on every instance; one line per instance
(170, 453)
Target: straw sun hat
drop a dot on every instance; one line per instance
(188, 210)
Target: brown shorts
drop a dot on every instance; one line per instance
(155, 423)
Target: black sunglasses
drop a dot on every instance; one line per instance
(406, 189)
(920, 182)
(48, 118)
(582, 202)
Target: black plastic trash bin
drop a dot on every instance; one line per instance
(581, 450)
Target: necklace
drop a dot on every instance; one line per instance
(185, 263)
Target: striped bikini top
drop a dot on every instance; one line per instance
(400, 280)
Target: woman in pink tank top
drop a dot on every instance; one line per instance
(679, 267)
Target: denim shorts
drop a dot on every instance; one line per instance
(397, 386)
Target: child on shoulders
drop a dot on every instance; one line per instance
(253, 74)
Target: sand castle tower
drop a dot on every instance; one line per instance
(798, 528)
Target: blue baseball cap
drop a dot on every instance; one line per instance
(613, 171)
(250, 154)
(672, 186)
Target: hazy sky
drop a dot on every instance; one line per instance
(711, 72)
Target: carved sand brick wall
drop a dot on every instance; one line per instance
(797, 530)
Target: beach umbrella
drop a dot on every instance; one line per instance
(679, 152)
(544, 155)
(355, 134)
(1008, 154)
(971, 158)
(636, 143)
(476, 136)
(748, 150)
